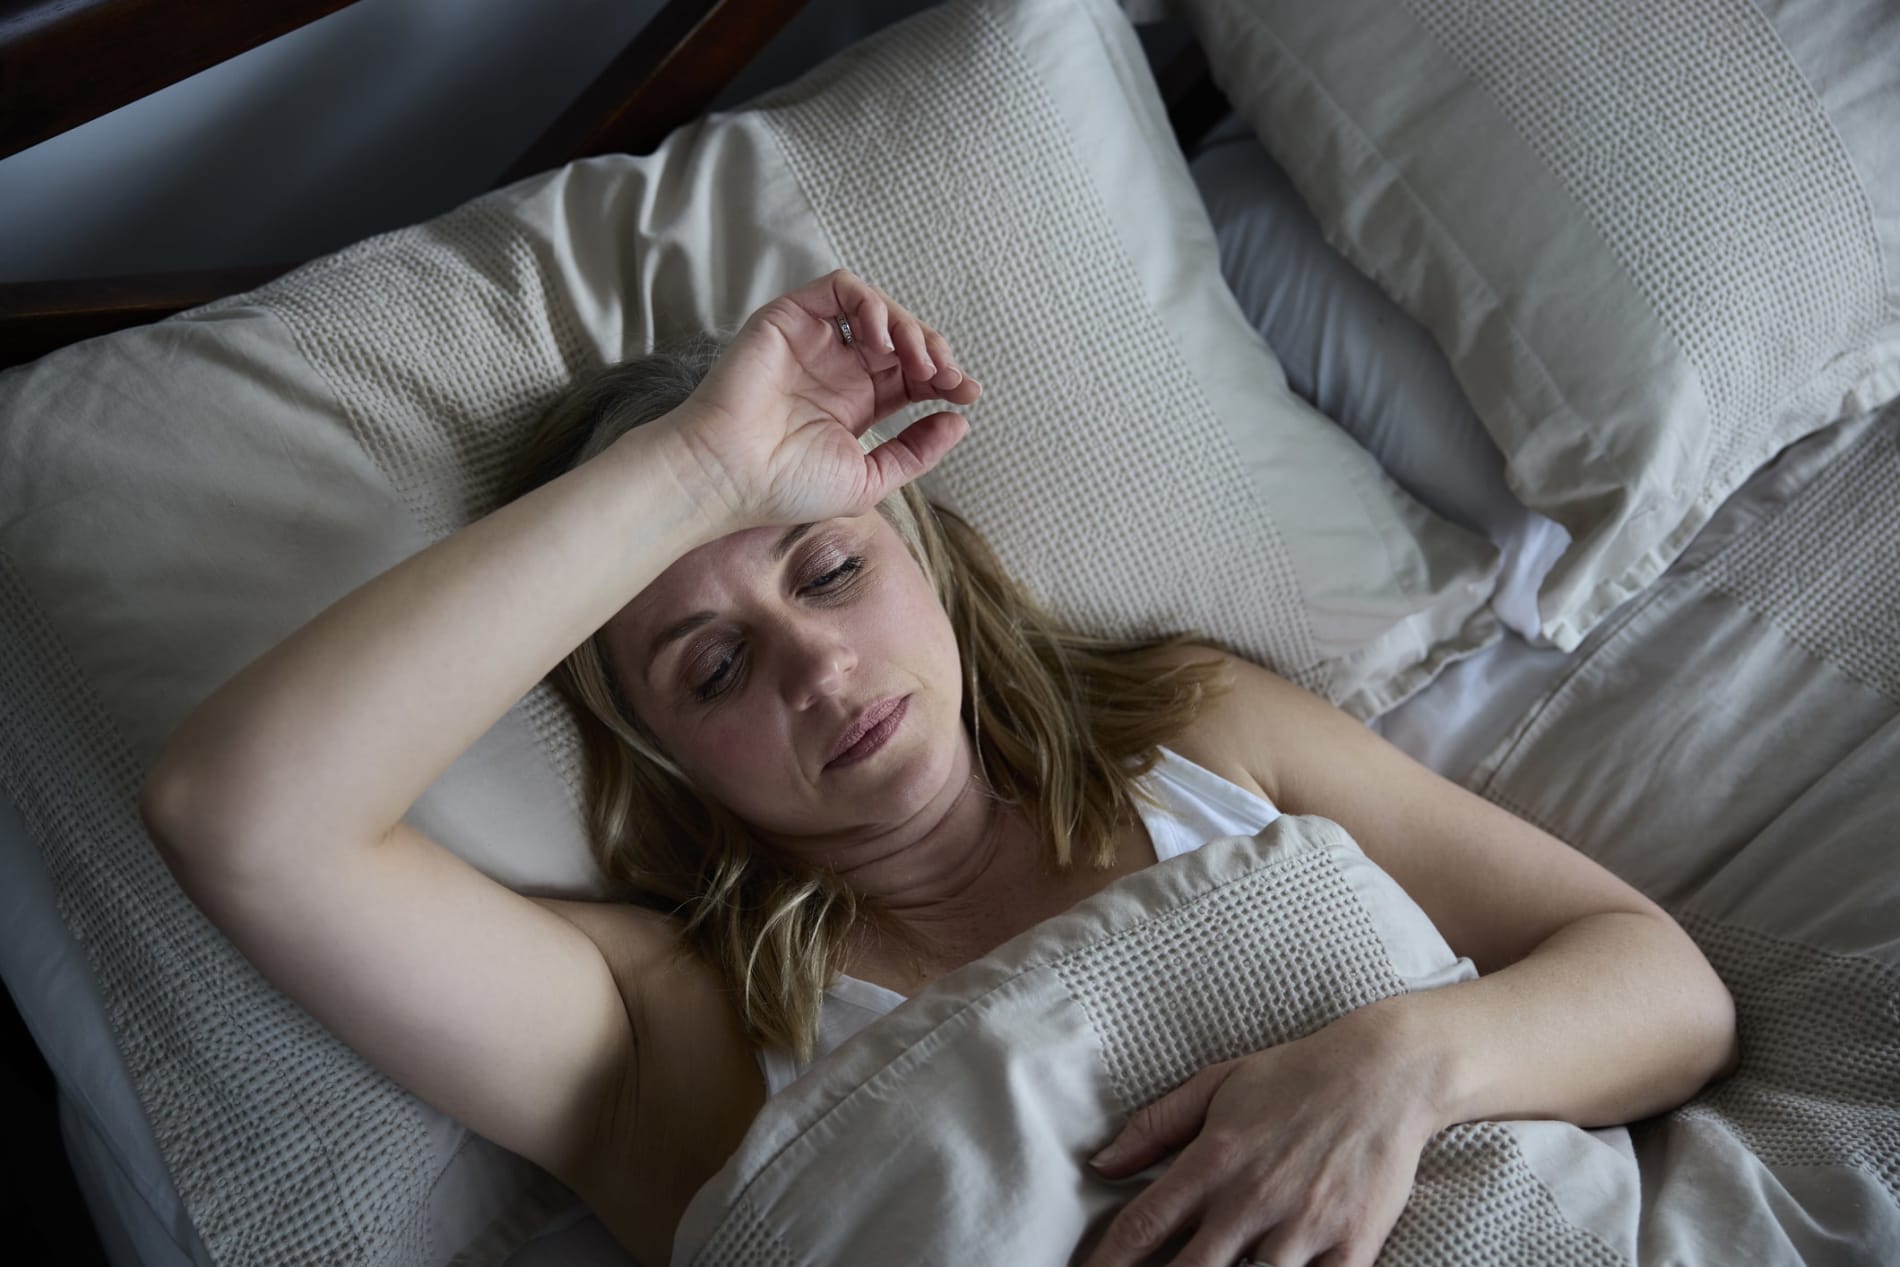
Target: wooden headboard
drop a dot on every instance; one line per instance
(64, 62)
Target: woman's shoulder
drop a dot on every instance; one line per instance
(1224, 735)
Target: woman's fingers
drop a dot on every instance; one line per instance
(921, 351)
(912, 348)
(964, 393)
(1162, 1125)
(1296, 1247)
(872, 315)
(873, 324)
(1220, 1245)
(1146, 1223)
(948, 375)
(880, 323)
(881, 328)
(919, 447)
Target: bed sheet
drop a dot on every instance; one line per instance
(131, 1227)
(1471, 705)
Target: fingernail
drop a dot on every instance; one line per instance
(1104, 1158)
(888, 345)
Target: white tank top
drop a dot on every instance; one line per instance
(1198, 806)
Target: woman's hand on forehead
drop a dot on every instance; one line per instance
(771, 436)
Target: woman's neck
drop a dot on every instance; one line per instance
(952, 890)
(979, 853)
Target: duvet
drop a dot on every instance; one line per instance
(956, 1129)
(1729, 742)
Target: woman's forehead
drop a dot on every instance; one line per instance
(755, 549)
(697, 575)
(700, 577)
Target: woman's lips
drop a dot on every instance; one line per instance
(874, 738)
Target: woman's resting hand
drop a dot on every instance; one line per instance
(773, 429)
(1304, 1153)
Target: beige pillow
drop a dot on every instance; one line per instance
(1657, 242)
(177, 499)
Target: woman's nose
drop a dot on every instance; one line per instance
(818, 665)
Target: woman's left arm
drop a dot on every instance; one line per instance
(1593, 1006)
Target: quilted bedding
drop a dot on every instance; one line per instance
(1729, 743)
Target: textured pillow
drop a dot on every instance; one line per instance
(1657, 242)
(176, 499)
(1351, 352)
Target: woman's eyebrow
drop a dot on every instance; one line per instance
(789, 540)
(680, 628)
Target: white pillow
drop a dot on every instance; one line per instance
(1656, 242)
(1356, 356)
(177, 499)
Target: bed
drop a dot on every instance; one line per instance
(1574, 471)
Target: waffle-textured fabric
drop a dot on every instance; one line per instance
(179, 498)
(957, 1129)
(1822, 571)
(1657, 242)
(1706, 746)
(1192, 806)
(1058, 240)
(1729, 746)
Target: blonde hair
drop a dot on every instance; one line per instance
(1063, 725)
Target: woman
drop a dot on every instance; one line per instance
(827, 734)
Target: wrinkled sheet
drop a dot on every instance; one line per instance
(1728, 742)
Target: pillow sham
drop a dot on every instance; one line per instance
(1656, 244)
(1357, 358)
(178, 498)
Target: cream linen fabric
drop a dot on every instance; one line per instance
(956, 1129)
(1729, 745)
(1748, 788)
(1656, 242)
(176, 499)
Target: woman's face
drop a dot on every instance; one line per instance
(754, 657)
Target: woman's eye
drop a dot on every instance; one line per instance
(724, 673)
(831, 579)
(711, 686)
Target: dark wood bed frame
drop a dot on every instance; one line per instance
(64, 62)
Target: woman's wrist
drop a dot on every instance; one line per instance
(705, 507)
(1426, 1065)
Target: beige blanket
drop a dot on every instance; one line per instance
(1730, 743)
(955, 1130)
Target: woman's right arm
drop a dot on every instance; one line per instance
(278, 802)
(278, 806)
